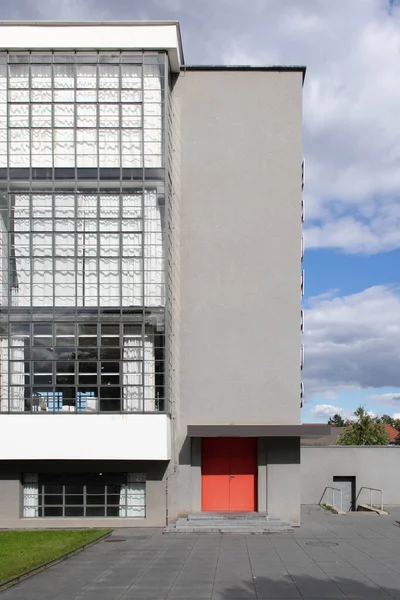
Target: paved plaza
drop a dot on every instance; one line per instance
(330, 556)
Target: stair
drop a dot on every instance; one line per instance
(222, 522)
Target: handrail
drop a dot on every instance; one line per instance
(364, 487)
(329, 487)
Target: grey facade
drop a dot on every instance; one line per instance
(183, 292)
(240, 272)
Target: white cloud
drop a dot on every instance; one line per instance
(326, 411)
(67, 10)
(351, 95)
(353, 342)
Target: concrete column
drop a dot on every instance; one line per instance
(283, 478)
(262, 475)
(11, 497)
(196, 474)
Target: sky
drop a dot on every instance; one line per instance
(352, 155)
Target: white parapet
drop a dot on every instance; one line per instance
(85, 437)
(125, 35)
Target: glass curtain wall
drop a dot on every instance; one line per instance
(82, 221)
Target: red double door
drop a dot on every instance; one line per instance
(229, 474)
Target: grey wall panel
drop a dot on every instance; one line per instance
(10, 497)
(283, 478)
(240, 246)
(372, 466)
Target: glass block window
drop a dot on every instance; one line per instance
(84, 495)
(82, 232)
(85, 249)
(64, 113)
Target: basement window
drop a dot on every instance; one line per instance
(84, 495)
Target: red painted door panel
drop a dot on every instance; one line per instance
(243, 465)
(215, 474)
(229, 474)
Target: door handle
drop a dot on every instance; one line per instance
(231, 477)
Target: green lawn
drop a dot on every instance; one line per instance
(23, 550)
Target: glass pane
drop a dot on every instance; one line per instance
(74, 499)
(74, 511)
(88, 367)
(95, 499)
(49, 499)
(52, 511)
(114, 511)
(95, 511)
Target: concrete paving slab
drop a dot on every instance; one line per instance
(303, 565)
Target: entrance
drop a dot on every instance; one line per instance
(229, 474)
(348, 487)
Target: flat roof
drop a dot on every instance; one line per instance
(176, 61)
(279, 68)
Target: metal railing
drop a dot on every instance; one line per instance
(370, 495)
(329, 487)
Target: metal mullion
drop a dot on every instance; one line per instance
(143, 327)
(120, 125)
(8, 192)
(53, 215)
(98, 119)
(120, 326)
(126, 496)
(76, 233)
(76, 204)
(53, 240)
(52, 124)
(165, 97)
(98, 361)
(74, 104)
(30, 122)
(121, 246)
(63, 506)
(99, 320)
(105, 500)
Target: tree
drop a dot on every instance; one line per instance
(388, 420)
(364, 431)
(337, 421)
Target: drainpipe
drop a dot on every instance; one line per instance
(166, 494)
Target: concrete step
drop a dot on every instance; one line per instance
(227, 529)
(367, 508)
(220, 523)
(233, 516)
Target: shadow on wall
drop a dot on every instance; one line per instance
(185, 453)
(281, 584)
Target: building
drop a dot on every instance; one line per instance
(331, 439)
(151, 218)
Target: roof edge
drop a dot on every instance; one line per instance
(279, 68)
(257, 431)
(45, 23)
(34, 23)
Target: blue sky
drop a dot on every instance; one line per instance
(352, 149)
